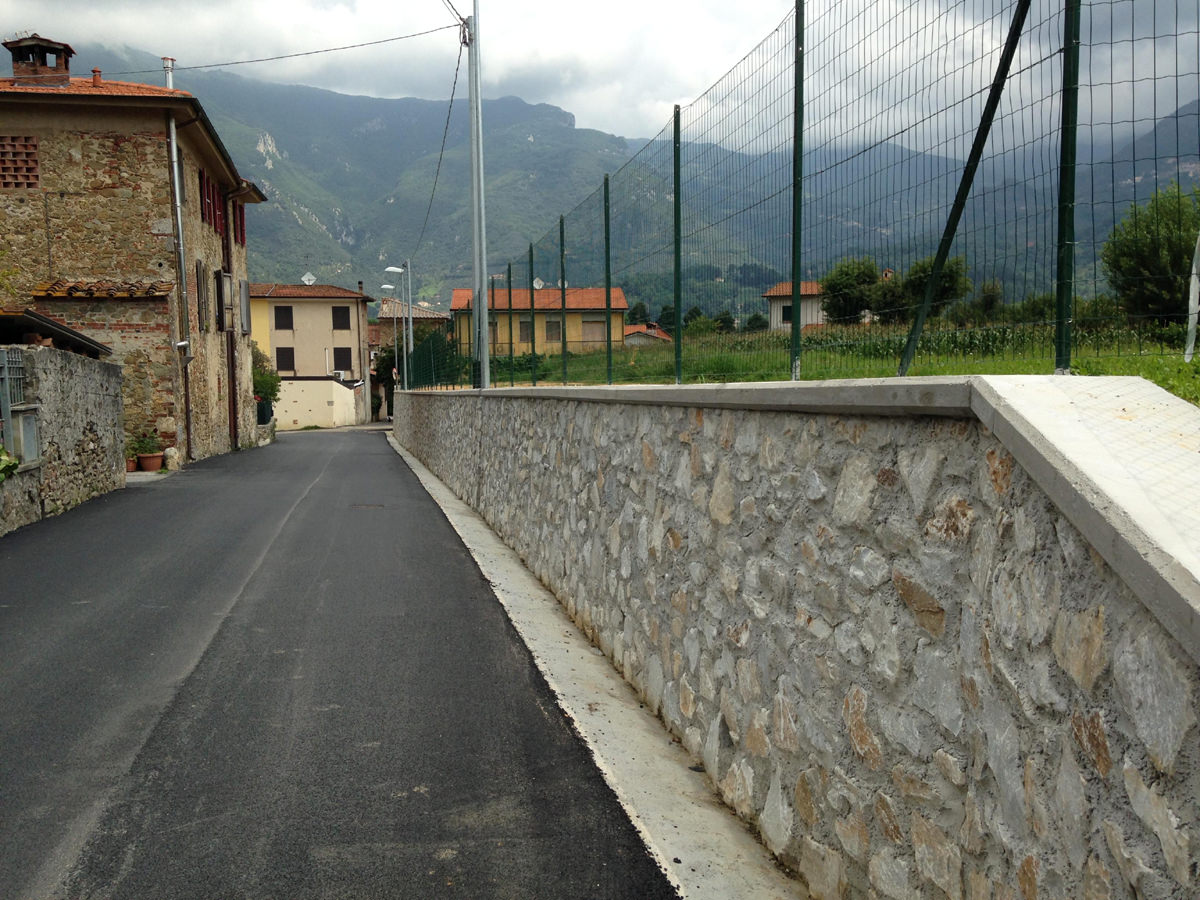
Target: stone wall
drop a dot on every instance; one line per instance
(82, 440)
(893, 654)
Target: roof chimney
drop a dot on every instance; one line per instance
(40, 62)
(95, 78)
(360, 287)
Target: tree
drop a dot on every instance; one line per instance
(692, 315)
(666, 318)
(953, 284)
(889, 303)
(756, 322)
(1148, 254)
(266, 379)
(699, 325)
(723, 321)
(638, 314)
(846, 290)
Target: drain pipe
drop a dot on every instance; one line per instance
(184, 342)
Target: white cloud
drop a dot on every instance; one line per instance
(618, 66)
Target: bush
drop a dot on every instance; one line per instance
(266, 379)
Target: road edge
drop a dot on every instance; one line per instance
(705, 850)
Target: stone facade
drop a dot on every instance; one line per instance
(103, 212)
(82, 442)
(893, 655)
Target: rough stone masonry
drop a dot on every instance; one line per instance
(893, 654)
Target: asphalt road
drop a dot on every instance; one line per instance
(278, 674)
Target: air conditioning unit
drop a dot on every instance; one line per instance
(338, 374)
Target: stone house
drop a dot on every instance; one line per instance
(542, 331)
(125, 220)
(316, 335)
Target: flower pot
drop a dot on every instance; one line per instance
(131, 464)
(150, 462)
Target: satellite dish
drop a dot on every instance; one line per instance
(308, 278)
(538, 284)
(561, 284)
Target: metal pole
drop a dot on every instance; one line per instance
(408, 368)
(1065, 284)
(797, 188)
(562, 287)
(678, 258)
(607, 282)
(512, 375)
(477, 193)
(968, 177)
(532, 325)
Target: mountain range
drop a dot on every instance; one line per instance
(350, 180)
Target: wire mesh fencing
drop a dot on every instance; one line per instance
(933, 186)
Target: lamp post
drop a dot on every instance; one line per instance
(405, 269)
(392, 287)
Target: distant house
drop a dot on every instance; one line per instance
(542, 331)
(780, 305)
(393, 314)
(110, 238)
(316, 335)
(647, 335)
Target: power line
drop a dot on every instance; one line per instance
(243, 62)
(453, 11)
(441, 152)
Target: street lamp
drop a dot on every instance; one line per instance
(392, 287)
(405, 269)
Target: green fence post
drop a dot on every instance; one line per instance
(532, 326)
(562, 288)
(797, 189)
(607, 283)
(512, 375)
(678, 257)
(1065, 284)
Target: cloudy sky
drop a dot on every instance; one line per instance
(619, 66)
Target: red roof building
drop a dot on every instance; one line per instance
(519, 330)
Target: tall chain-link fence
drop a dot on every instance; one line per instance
(984, 186)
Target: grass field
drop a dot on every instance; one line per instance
(873, 352)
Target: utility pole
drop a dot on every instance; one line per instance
(479, 306)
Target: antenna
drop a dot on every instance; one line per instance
(308, 278)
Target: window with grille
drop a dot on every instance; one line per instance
(18, 161)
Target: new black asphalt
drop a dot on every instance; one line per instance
(278, 674)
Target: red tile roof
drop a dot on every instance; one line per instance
(650, 328)
(548, 299)
(304, 292)
(784, 289)
(84, 87)
(401, 309)
(103, 289)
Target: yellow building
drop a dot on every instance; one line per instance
(316, 335)
(542, 331)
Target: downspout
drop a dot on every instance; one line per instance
(184, 344)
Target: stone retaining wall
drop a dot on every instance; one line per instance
(80, 432)
(894, 655)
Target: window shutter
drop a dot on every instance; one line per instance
(244, 294)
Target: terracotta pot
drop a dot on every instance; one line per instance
(131, 464)
(150, 462)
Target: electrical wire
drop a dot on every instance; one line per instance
(243, 62)
(441, 154)
(454, 12)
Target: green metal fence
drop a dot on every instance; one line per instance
(994, 185)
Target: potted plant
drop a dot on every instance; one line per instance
(131, 460)
(148, 449)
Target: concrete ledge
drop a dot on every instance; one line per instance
(949, 396)
(1121, 458)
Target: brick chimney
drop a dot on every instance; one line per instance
(40, 62)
